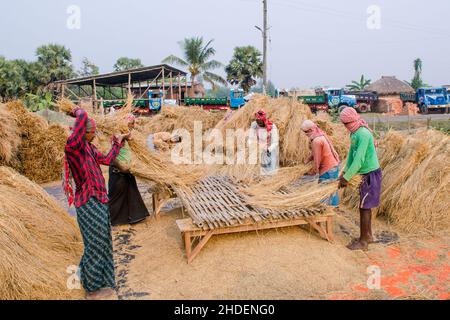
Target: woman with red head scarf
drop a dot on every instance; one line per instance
(363, 160)
(326, 160)
(266, 134)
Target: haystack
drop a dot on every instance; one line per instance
(41, 151)
(39, 241)
(416, 181)
(9, 137)
(173, 118)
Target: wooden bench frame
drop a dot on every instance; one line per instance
(323, 224)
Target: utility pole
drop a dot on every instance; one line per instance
(264, 30)
(265, 48)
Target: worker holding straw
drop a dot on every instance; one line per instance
(324, 156)
(363, 160)
(265, 132)
(82, 163)
(125, 201)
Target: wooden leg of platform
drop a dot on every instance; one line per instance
(319, 228)
(199, 246)
(156, 210)
(187, 244)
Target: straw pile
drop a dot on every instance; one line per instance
(39, 240)
(41, 150)
(416, 181)
(173, 118)
(9, 137)
(286, 114)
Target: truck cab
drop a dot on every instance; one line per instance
(432, 99)
(338, 99)
(155, 100)
(236, 98)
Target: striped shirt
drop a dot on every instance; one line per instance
(84, 162)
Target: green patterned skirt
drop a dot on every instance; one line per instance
(97, 264)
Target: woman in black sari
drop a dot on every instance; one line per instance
(125, 201)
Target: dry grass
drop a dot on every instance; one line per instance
(41, 151)
(175, 118)
(307, 195)
(9, 137)
(38, 241)
(158, 168)
(284, 177)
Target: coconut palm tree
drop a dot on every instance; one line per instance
(359, 85)
(196, 59)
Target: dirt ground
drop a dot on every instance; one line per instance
(287, 263)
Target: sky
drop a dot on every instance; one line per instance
(312, 42)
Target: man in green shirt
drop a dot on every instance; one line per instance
(363, 160)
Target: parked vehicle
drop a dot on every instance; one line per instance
(338, 98)
(234, 101)
(428, 99)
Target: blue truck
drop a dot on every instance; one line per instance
(338, 98)
(428, 99)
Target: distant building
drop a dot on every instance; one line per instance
(388, 89)
(390, 86)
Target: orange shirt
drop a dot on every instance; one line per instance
(322, 155)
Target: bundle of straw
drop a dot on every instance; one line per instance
(41, 151)
(159, 169)
(39, 241)
(307, 195)
(9, 137)
(272, 184)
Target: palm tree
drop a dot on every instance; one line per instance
(245, 67)
(417, 81)
(54, 62)
(197, 61)
(359, 86)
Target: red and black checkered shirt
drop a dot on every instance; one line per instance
(84, 162)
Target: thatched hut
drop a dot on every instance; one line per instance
(389, 89)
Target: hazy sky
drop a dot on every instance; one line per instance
(313, 42)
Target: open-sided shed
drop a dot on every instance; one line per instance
(114, 86)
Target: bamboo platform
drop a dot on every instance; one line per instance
(216, 207)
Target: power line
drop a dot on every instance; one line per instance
(307, 7)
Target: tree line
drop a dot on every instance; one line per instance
(20, 78)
